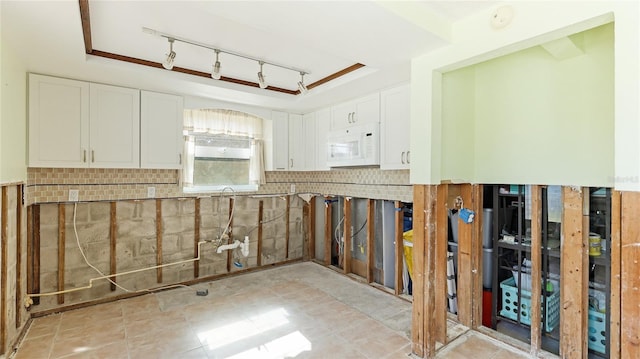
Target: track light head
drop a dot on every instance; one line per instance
(261, 82)
(171, 56)
(301, 86)
(215, 74)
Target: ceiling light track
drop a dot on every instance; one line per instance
(170, 58)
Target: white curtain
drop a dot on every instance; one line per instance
(223, 122)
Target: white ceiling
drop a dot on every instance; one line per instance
(319, 37)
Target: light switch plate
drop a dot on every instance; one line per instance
(73, 195)
(151, 192)
(293, 188)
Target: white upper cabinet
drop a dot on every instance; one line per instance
(280, 140)
(323, 122)
(394, 128)
(58, 122)
(114, 128)
(309, 141)
(161, 123)
(356, 112)
(296, 143)
(78, 124)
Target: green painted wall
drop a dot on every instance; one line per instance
(536, 119)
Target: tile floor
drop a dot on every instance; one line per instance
(301, 310)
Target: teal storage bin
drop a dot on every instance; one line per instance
(511, 305)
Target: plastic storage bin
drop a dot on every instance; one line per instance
(597, 331)
(511, 305)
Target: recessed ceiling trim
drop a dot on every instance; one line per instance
(86, 31)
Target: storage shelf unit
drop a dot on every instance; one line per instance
(511, 236)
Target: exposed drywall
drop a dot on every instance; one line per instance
(533, 24)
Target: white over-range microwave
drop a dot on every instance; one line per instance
(354, 146)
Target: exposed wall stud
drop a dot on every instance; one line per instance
(399, 248)
(113, 266)
(159, 240)
(574, 274)
(61, 250)
(370, 239)
(19, 305)
(230, 252)
(616, 254)
(419, 223)
(260, 218)
(196, 237)
(3, 270)
(630, 276)
(442, 237)
(287, 229)
(465, 263)
(476, 256)
(536, 268)
(35, 253)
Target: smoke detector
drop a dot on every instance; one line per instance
(501, 17)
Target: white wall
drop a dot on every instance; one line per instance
(13, 134)
(533, 23)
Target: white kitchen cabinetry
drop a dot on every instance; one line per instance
(296, 143)
(114, 127)
(309, 141)
(77, 124)
(280, 140)
(58, 122)
(161, 123)
(394, 128)
(356, 112)
(323, 122)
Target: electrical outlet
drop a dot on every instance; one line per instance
(73, 195)
(293, 188)
(151, 192)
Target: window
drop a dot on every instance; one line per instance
(223, 148)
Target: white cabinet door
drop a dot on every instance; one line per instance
(323, 122)
(280, 140)
(394, 139)
(161, 139)
(58, 122)
(114, 134)
(309, 141)
(357, 112)
(296, 143)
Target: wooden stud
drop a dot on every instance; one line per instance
(370, 239)
(3, 271)
(615, 257)
(287, 229)
(465, 263)
(30, 249)
(573, 292)
(328, 232)
(260, 217)
(476, 256)
(536, 268)
(113, 252)
(35, 287)
(419, 223)
(159, 240)
(61, 250)
(442, 237)
(428, 269)
(196, 237)
(399, 248)
(230, 253)
(346, 265)
(306, 242)
(630, 276)
(19, 208)
(312, 228)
